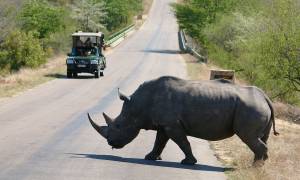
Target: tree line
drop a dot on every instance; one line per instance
(260, 39)
(33, 30)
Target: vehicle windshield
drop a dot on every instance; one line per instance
(84, 46)
(84, 51)
(85, 40)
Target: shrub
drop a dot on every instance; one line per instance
(21, 49)
(195, 15)
(259, 39)
(41, 17)
(120, 12)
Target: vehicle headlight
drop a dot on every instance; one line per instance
(94, 61)
(70, 61)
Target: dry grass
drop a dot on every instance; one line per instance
(284, 150)
(29, 78)
(284, 155)
(287, 112)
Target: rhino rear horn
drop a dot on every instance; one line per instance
(102, 130)
(108, 120)
(122, 96)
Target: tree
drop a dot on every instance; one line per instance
(195, 15)
(89, 14)
(120, 12)
(7, 14)
(40, 17)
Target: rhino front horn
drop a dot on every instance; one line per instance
(102, 130)
(108, 120)
(122, 96)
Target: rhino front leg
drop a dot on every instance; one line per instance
(179, 137)
(160, 143)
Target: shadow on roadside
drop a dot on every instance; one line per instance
(199, 167)
(64, 76)
(57, 76)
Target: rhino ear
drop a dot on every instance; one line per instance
(108, 120)
(102, 130)
(122, 96)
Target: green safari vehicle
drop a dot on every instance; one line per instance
(86, 55)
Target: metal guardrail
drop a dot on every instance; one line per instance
(184, 47)
(120, 35)
(182, 41)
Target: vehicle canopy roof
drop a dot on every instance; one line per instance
(81, 34)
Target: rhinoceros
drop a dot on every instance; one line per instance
(176, 108)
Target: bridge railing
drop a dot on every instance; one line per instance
(119, 36)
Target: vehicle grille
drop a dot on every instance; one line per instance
(82, 61)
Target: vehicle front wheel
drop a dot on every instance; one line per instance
(75, 75)
(69, 75)
(97, 73)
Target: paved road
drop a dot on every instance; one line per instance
(44, 133)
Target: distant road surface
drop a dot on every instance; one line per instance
(45, 134)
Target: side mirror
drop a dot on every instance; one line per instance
(69, 54)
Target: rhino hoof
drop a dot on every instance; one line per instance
(258, 163)
(152, 157)
(265, 157)
(189, 161)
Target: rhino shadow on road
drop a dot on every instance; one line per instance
(162, 51)
(199, 167)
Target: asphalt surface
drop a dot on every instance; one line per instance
(45, 134)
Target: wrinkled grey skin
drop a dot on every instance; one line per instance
(176, 108)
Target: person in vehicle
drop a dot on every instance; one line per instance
(79, 43)
(88, 42)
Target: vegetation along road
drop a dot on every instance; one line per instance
(45, 134)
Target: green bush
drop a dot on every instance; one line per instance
(20, 49)
(194, 15)
(120, 12)
(41, 17)
(259, 39)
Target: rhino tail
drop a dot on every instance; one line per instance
(272, 115)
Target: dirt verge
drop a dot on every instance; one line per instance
(28, 78)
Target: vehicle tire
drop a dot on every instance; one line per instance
(101, 73)
(104, 62)
(97, 73)
(69, 74)
(75, 75)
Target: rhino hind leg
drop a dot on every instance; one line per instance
(259, 148)
(179, 137)
(265, 139)
(160, 143)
